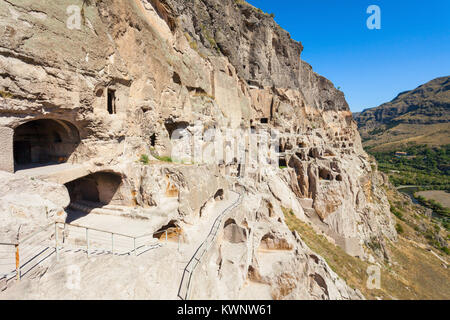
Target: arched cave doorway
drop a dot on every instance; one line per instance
(44, 141)
(96, 189)
(91, 192)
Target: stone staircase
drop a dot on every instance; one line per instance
(87, 207)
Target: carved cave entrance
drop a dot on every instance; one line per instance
(96, 190)
(44, 141)
(91, 192)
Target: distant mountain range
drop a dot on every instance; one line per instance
(419, 116)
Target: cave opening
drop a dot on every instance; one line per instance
(233, 233)
(93, 191)
(325, 174)
(172, 127)
(44, 142)
(219, 195)
(153, 140)
(99, 188)
(171, 230)
(112, 101)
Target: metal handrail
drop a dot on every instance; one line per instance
(20, 263)
(15, 256)
(35, 233)
(94, 229)
(116, 233)
(195, 260)
(7, 263)
(135, 246)
(27, 237)
(206, 242)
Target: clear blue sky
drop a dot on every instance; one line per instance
(370, 66)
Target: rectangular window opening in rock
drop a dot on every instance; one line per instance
(112, 101)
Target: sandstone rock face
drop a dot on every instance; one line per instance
(321, 141)
(29, 205)
(135, 73)
(256, 256)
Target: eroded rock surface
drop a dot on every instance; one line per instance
(135, 72)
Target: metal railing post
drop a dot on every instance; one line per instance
(64, 235)
(87, 241)
(18, 275)
(166, 235)
(56, 241)
(112, 243)
(203, 249)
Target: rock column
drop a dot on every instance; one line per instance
(6, 149)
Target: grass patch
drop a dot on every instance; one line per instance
(210, 39)
(416, 224)
(192, 43)
(399, 228)
(144, 159)
(396, 212)
(164, 159)
(6, 95)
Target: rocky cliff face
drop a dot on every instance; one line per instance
(320, 138)
(136, 70)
